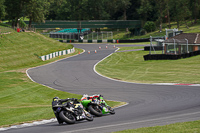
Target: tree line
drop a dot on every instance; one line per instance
(158, 11)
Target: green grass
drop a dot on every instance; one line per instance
(130, 48)
(21, 50)
(130, 66)
(21, 99)
(185, 127)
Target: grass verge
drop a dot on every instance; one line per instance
(185, 127)
(130, 66)
(130, 48)
(21, 99)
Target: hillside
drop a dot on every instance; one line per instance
(19, 50)
(189, 28)
(21, 99)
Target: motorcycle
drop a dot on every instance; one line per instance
(69, 110)
(96, 105)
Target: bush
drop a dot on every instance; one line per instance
(22, 23)
(132, 30)
(149, 26)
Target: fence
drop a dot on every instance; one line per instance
(117, 24)
(83, 36)
(5, 30)
(58, 53)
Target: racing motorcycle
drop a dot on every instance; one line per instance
(96, 105)
(69, 110)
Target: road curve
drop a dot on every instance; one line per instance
(149, 105)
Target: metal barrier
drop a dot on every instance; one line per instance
(117, 24)
(83, 36)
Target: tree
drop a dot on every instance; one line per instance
(14, 10)
(59, 10)
(168, 13)
(123, 5)
(180, 10)
(36, 10)
(195, 7)
(160, 6)
(144, 9)
(97, 10)
(2, 9)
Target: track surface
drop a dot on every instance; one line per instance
(149, 105)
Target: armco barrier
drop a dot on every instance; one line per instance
(134, 40)
(58, 53)
(88, 41)
(139, 40)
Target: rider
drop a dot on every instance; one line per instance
(57, 102)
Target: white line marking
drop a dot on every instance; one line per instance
(128, 123)
(174, 84)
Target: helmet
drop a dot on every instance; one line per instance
(56, 98)
(85, 95)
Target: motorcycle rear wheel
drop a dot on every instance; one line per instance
(95, 110)
(67, 117)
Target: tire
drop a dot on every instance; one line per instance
(111, 110)
(95, 110)
(67, 117)
(88, 116)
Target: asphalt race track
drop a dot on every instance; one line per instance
(148, 105)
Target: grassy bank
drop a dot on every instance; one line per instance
(130, 66)
(21, 99)
(189, 28)
(185, 127)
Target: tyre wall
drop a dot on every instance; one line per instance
(170, 57)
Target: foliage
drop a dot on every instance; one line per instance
(132, 30)
(158, 11)
(22, 23)
(2, 9)
(149, 26)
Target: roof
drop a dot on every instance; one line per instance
(193, 38)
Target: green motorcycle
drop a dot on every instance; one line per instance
(96, 105)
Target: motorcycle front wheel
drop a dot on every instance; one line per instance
(67, 117)
(95, 110)
(111, 110)
(88, 116)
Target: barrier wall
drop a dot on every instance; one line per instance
(156, 48)
(169, 56)
(58, 53)
(89, 41)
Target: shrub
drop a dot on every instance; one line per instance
(149, 26)
(132, 30)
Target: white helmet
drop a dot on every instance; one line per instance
(85, 95)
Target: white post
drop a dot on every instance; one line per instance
(150, 44)
(87, 35)
(163, 47)
(174, 47)
(187, 45)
